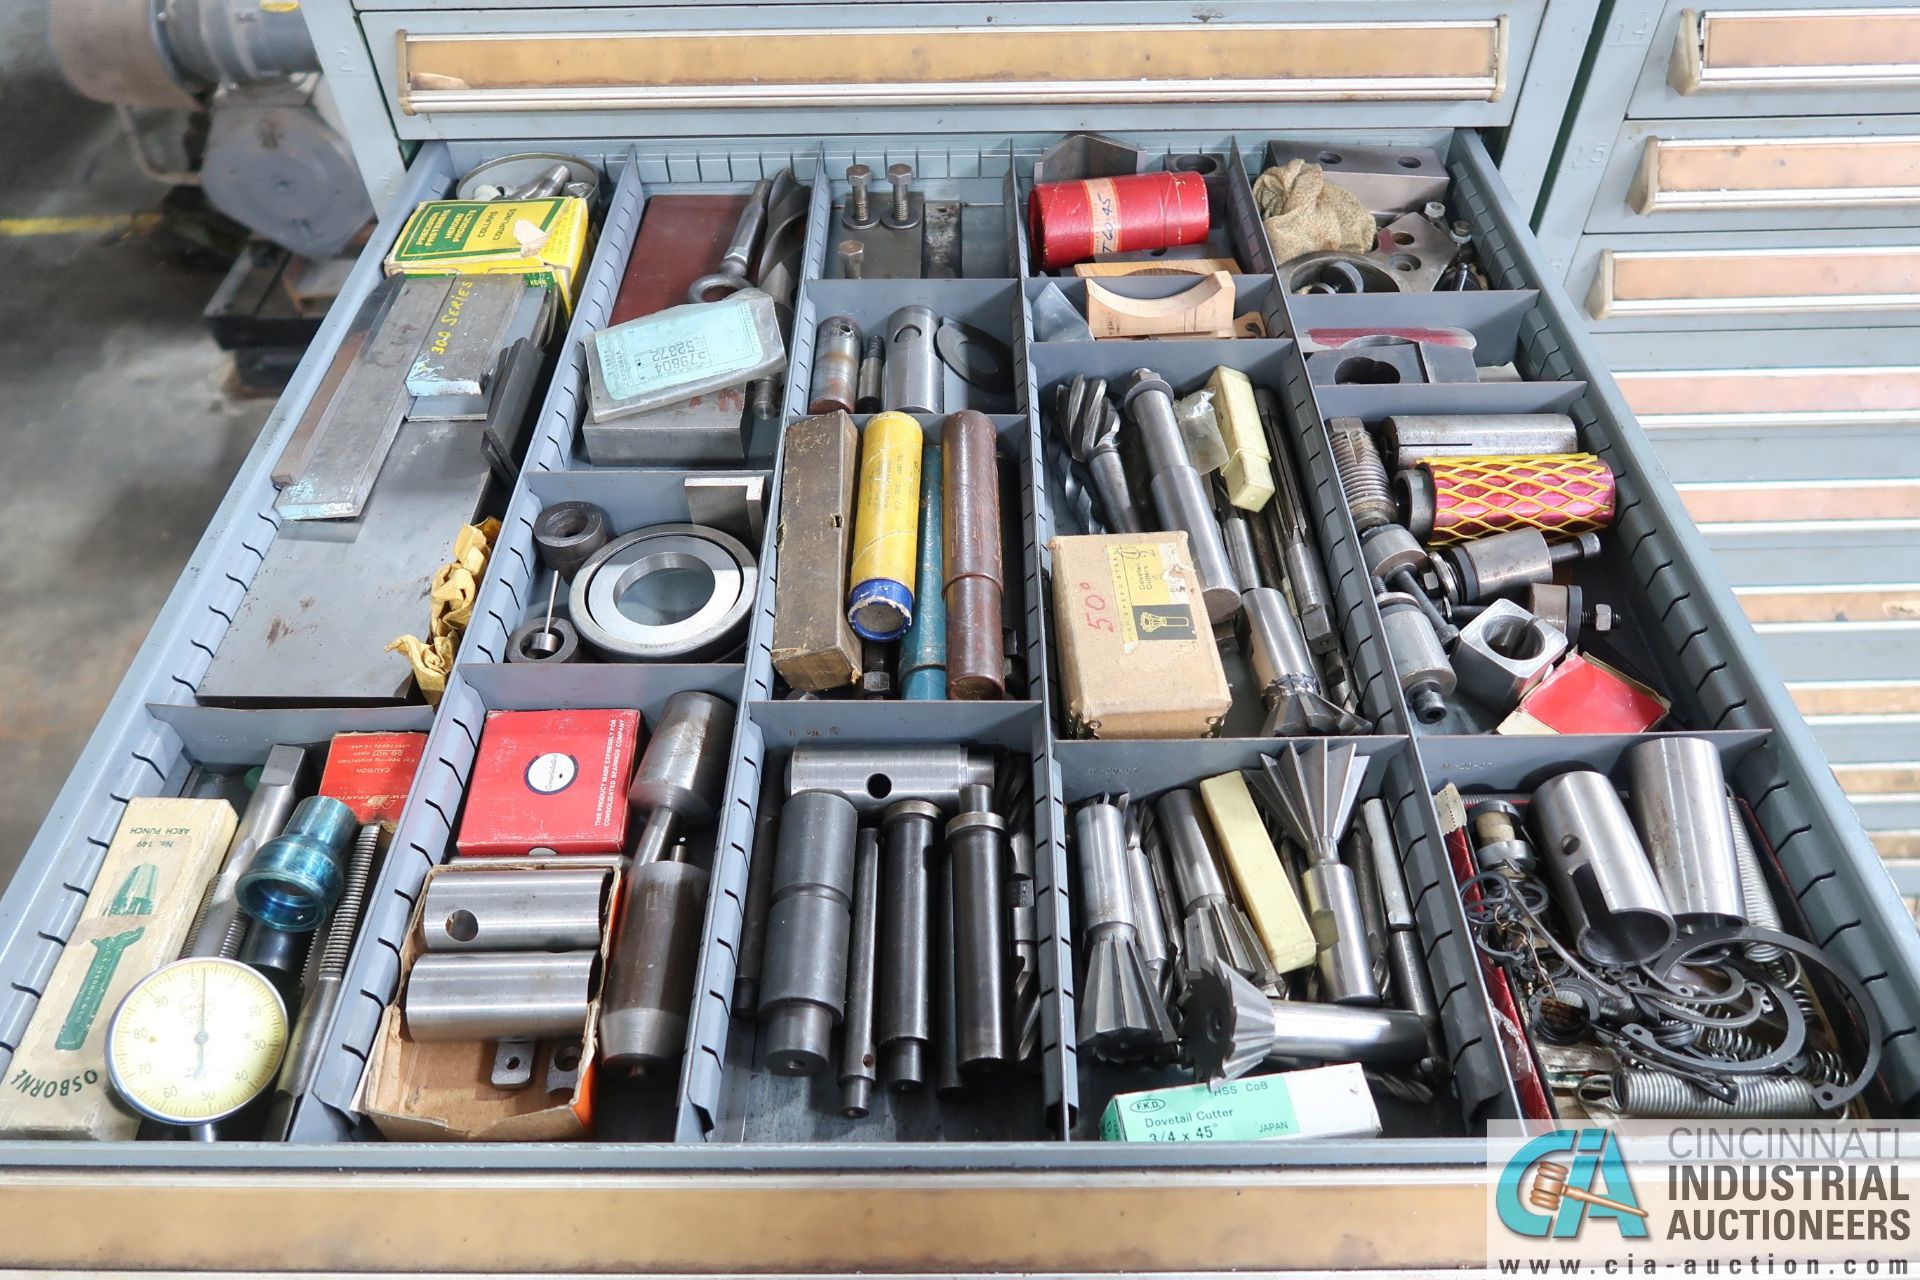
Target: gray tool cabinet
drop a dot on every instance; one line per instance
(732, 1168)
(1733, 209)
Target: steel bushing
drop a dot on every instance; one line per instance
(544, 641)
(663, 593)
(567, 534)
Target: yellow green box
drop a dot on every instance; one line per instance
(543, 240)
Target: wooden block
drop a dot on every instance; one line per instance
(1272, 905)
(1204, 311)
(1158, 267)
(813, 647)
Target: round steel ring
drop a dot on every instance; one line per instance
(595, 594)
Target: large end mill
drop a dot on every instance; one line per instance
(1229, 1027)
(1312, 790)
(1212, 925)
(1122, 1016)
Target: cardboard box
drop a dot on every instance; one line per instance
(136, 919)
(1323, 1102)
(813, 647)
(1137, 654)
(371, 773)
(543, 240)
(443, 1091)
(554, 780)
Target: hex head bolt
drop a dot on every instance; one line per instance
(858, 213)
(803, 980)
(901, 216)
(853, 258)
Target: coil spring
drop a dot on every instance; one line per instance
(1363, 477)
(1762, 912)
(1824, 1066)
(1674, 1033)
(1663, 1095)
(1736, 1046)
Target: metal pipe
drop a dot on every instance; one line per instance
(498, 995)
(976, 654)
(873, 778)
(977, 850)
(222, 924)
(857, 1055)
(1411, 437)
(923, 650)
(836, 366)
(1600, 871)
(1287, 516)
(1679, 797)
(683, 771)
(1406, 958)
(804, 977)
(1179, 494)
(648, 993)
(914, 378)
(904, 1014)
(550, 909)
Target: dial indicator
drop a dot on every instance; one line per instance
(196, 1040)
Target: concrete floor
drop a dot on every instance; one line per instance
(118, 429)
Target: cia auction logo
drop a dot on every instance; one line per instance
(1540, 1196)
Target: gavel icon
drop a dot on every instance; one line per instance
(1550, 1188)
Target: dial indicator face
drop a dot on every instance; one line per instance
(196, 1040)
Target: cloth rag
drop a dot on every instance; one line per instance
(1305, 213)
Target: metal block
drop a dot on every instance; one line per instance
(708, 428)
(1381, 177)
(317, 617)
(351, 440)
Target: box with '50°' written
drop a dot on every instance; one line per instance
(1137, 655)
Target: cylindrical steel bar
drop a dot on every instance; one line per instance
(836, 366)
(649, 987)
(498, 995)
(858, 1057)
(904, 1003)
(976, 842)
(803, 981)
(533, 910)
(976, 652)
(1600, 871)
(872, 778)
(1679, 798)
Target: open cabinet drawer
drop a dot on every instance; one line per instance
(708, 1170)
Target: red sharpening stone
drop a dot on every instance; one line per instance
(550, 780)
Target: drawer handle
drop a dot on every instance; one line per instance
(1731, 51)
(1690, 282)
(1454, 60)
(1849, 396)
(1679, 175)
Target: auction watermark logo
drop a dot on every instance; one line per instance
(1687, 1198)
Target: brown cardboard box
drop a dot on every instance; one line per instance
(443, 1091)
(1137, 654)
(136, 918)
(813, 647)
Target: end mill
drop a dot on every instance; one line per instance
(1212, 925)
(1121, 1014)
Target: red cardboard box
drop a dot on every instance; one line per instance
(371, 773)
(550, 780)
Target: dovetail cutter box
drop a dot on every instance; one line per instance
(1137, 655)
(550, 780)
(1325, 1102)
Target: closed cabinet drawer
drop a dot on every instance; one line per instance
(664, 70)
(1767, 280)
(1778, 59)
(1818, 173)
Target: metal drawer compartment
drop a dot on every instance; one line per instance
(724, 1134)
